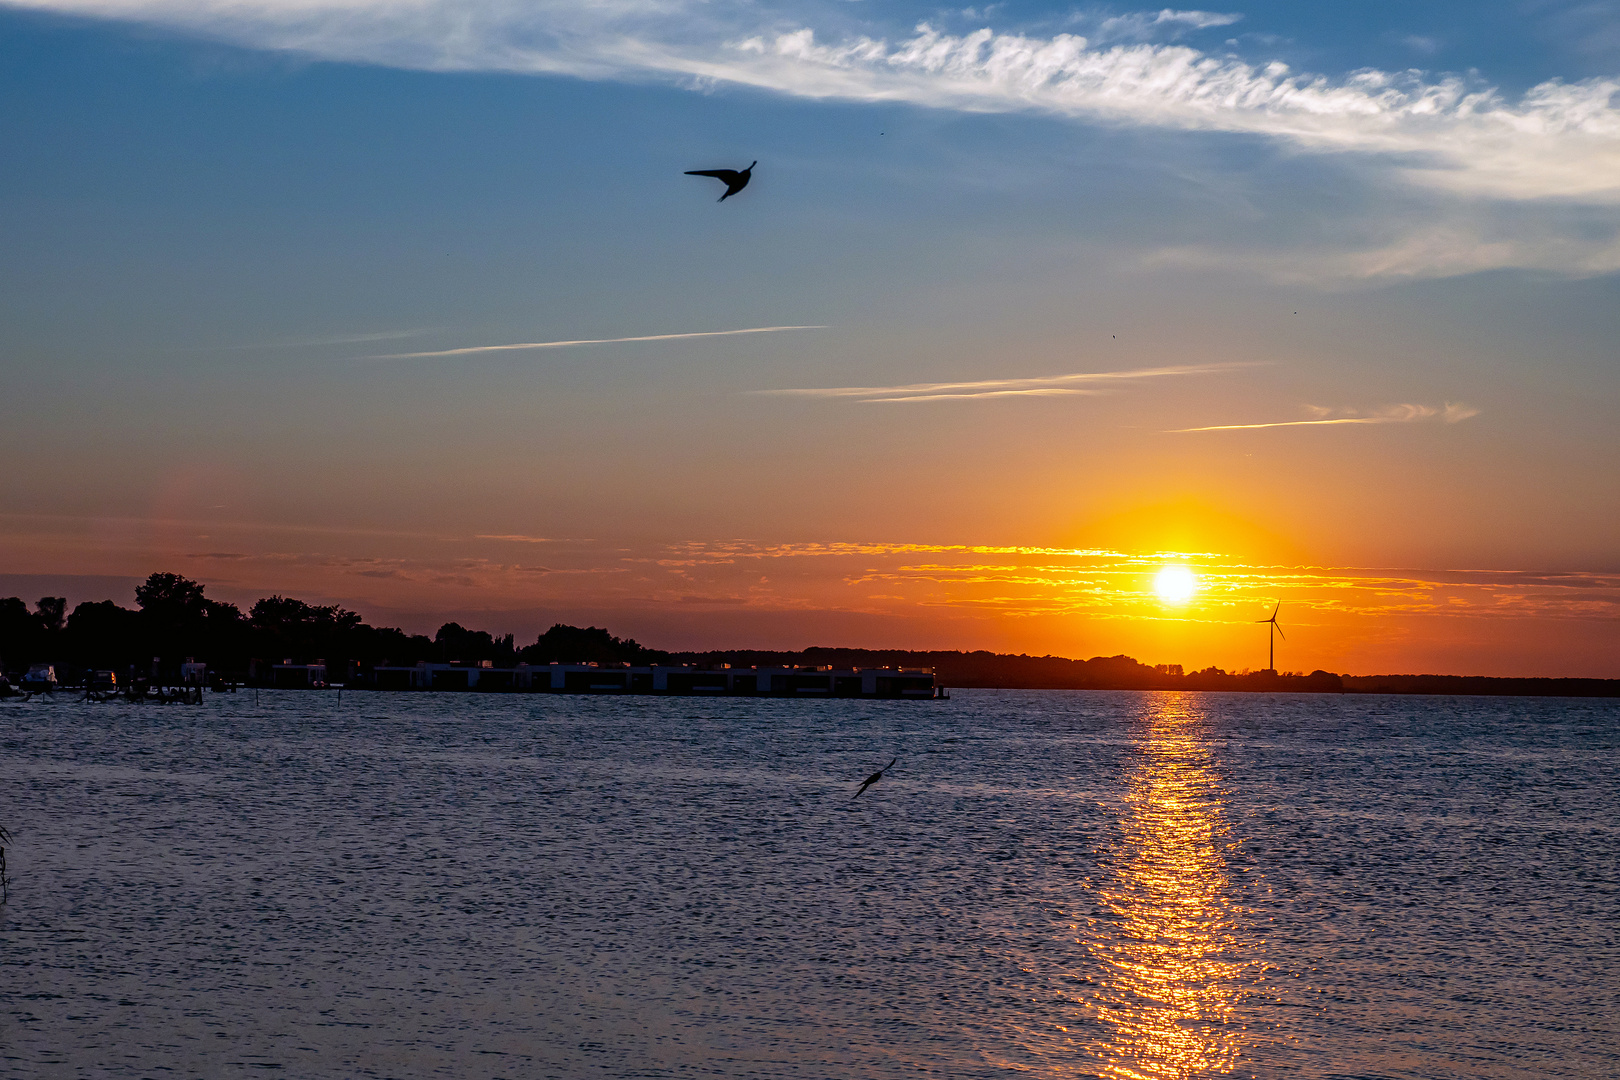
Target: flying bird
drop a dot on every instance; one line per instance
(874, 778)
(735, 181)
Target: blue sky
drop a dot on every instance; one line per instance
(1396, 226)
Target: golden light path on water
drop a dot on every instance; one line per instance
(1173, 970)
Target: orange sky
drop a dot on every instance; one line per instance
(949, 373)
(741, 593)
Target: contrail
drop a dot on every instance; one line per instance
(1038, 384)
(1403, 413)
(1290, 423)
(1049, 391)
(471, 349)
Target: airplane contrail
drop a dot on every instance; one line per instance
(1039, 384)
(1290, 423)
(472, 349)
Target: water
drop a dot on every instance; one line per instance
(1051, 884)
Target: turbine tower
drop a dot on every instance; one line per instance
(1272, 636)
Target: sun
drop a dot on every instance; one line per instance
(1175, 584)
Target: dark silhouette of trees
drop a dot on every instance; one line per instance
(285, 628)
(390, 645)
(21, 633)
(178, 620)
(589, 645)
(102, 635)
(52, 612)
(171, 597)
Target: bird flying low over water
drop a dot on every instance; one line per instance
(874, 778)
(735, 181)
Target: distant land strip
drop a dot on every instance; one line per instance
(174, 620)
(1003, 671)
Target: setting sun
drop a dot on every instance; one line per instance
(1175, 584)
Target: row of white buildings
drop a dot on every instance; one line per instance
(718, 680)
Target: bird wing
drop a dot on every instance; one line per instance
(874, 778)
(728, 175)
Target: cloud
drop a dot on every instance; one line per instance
(1450, 413)
(1560, 140)
(1040, 385)
(1476, 151)
(1200, 19)
(1428, 238)
(1049, 391)
(471, 350)
(1144, 25)
(1557, 140)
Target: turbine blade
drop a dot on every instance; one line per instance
(1276, 609)
(1280, 633)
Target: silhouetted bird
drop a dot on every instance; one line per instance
(874, 778)
(735, 181)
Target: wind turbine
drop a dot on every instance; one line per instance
(1272, 637)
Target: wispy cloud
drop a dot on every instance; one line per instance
(1200, 19)
(1145, 25)
(1557, 140)
(473, 350)
(1040, 385)
(1048, 391)
(1554, 148)
(1453, 133)
(1427, 237)
(1450, 413)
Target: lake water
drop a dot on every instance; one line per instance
(1047, 884)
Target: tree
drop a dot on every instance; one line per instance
(52, 612)
(171, 597)
(103, 635)
(180, 620)
(21, 635)
(456, 642)
(284, 628)
(575, 645)
(283, 613)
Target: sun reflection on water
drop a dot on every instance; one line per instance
(1172, 973)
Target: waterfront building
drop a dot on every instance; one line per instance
(687, 680)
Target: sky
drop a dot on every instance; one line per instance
(408, 306)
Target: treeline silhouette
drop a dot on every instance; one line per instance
(173, 619)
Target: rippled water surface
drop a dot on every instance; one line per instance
(1050, 884)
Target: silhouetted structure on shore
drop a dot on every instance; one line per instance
(1271, 638)
(283, 641)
